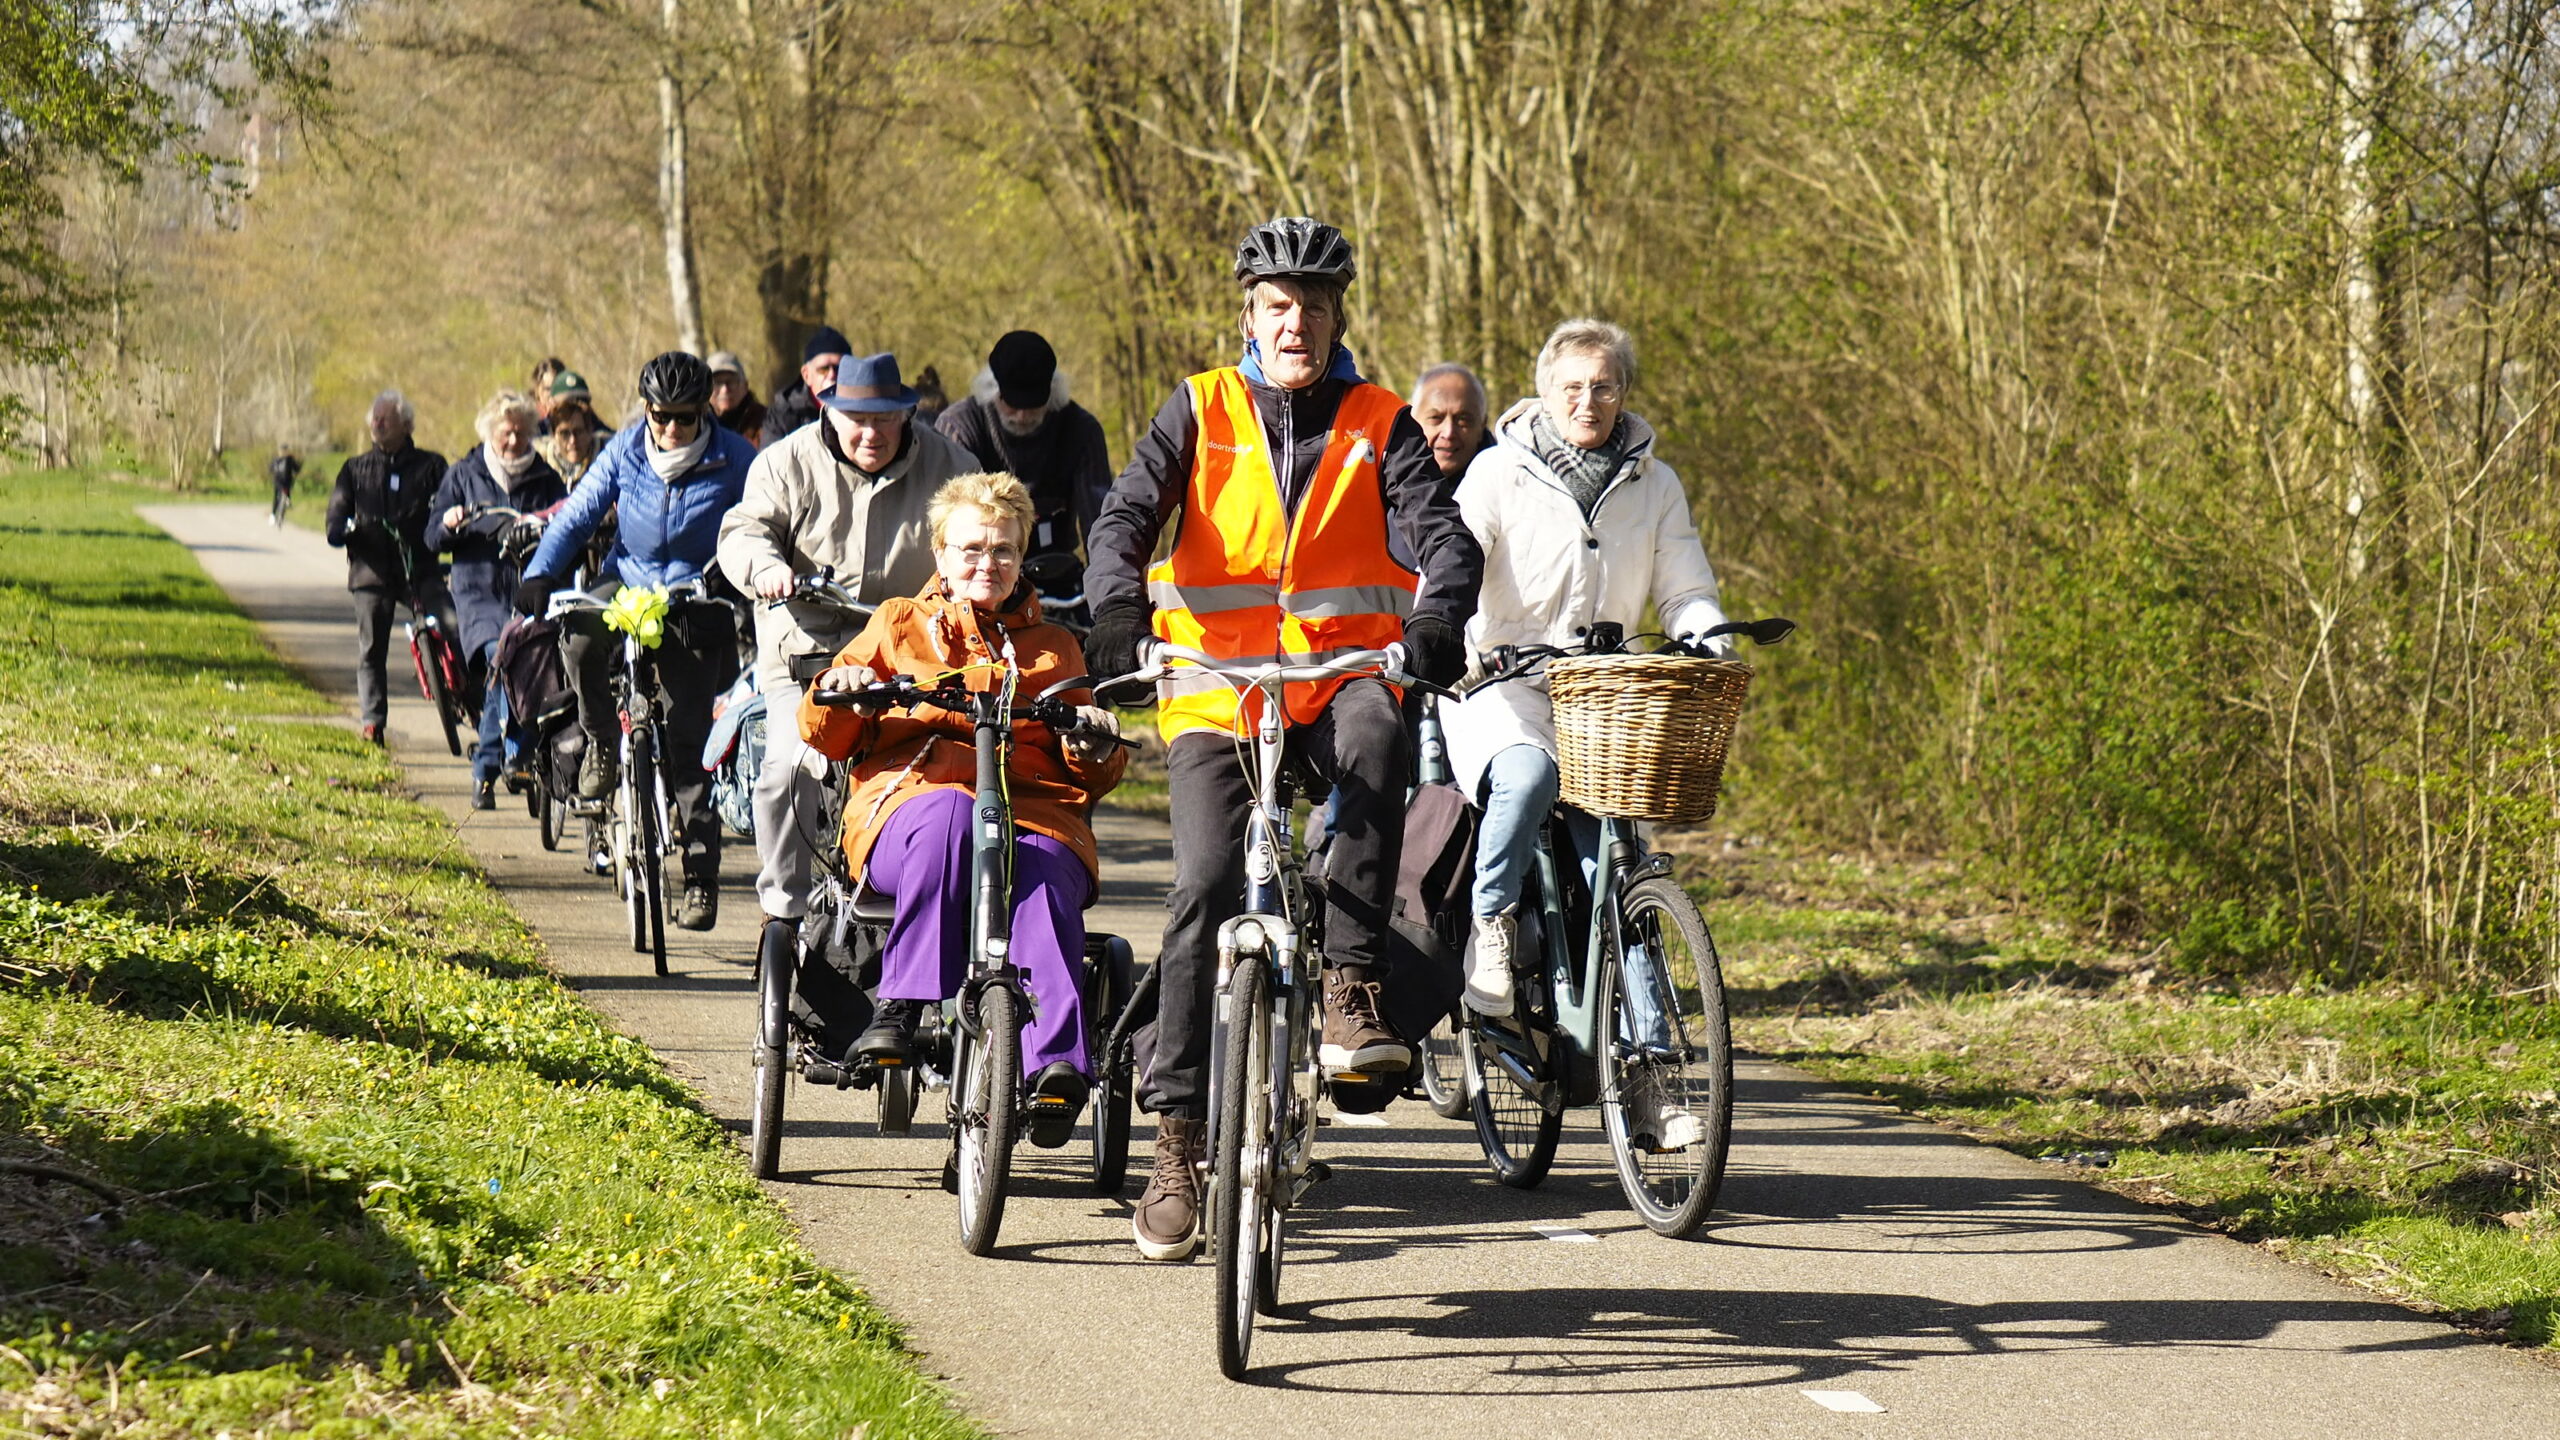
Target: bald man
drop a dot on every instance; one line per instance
(1449, 404)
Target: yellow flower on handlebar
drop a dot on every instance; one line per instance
(639, 613)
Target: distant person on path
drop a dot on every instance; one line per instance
(931, 401)
(282, 471)
(1019, 419)
(670, 477)
(852, 492)
(1581, 524)
(1449, 405)
(502, 470)
(796, 404)
(733, 400)
(378, 515)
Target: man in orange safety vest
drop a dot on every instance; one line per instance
(1312, 521)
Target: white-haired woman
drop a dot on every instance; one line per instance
(1581, 524)
(502, 470)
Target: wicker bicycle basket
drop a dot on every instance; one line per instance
(1643, 736)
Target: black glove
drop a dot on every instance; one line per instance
(534, 595)
(1111, 646)
(1434, 652)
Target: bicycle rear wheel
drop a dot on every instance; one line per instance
(777, 961)
(425, 651)
(548, 812)
(1667, 1103)
(1514, 1093)
(985, 1114)
(1238, 1193)
(1112, 980)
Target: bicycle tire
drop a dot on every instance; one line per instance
(1111, 1071)
(1271, 1114)
(549, 814)
(1444, 1082)
(986, 1116)
(897, 1088)
(1672, 1191)
(648, 843)
(1233, 1196)
(424, 648)
(1517, 1133)
(776, 965)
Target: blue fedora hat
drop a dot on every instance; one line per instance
(870, 383)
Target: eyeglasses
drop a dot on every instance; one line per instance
(1601, 392)
(984, 557)
(674, 419)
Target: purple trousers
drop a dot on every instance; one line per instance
(921, 862)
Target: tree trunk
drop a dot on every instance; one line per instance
(674, 207)
(2361, 29)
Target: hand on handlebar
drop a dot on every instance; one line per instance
(1093, 735)
(779, 588)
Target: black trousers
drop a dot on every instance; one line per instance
(1358, 747)
(696, 660)
(373, 645)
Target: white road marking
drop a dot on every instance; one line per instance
(1567, 1234)
(1374, 1122)
(1847, 1402)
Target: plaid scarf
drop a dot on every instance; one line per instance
(1585, 473)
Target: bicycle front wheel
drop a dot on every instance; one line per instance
(1239, 1192)
(1444, 1078)
(425, 650)
(648, 845)
(1667, 1094)
(985, 1112)
(777, 962)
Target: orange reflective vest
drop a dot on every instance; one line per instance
(1247, 580)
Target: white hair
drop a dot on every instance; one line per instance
(1589, 337)
(398, 402)
(504, 405)
(1422, 382)
(984, 387)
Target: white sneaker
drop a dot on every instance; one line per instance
(1653, 1122)
(1489, 948)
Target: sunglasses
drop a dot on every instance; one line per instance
(674, 419)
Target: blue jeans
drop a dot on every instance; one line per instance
(1519, 792)
(501, 741)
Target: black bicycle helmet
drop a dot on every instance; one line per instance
(675, 381)
(1294, 248)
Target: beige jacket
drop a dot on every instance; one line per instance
(803, 509)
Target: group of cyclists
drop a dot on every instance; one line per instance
(1281, 506)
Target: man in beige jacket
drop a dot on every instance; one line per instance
(848, 493)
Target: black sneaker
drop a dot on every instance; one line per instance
(599, 771)
(1057, 1097)
(700, 908)
(484, 795)
(890, 1039)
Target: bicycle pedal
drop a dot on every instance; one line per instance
(1317, 1172)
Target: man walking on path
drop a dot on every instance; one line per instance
(1019, 420)
(281, 473)
(378, 515)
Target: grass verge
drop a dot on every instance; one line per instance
(2405, 1141)
(296, 1132)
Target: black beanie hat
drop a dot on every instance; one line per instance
(825, 340)
(1024, 367)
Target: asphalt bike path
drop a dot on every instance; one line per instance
(1867, 1275)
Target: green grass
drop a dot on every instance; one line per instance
(2405, 1140)
(349, 1158)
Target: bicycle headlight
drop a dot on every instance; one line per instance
(1250, 935)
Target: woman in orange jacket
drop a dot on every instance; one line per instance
(906, 820)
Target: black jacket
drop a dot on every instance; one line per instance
(484, 586)
(791, 407)
(1424, 531)
(393, 487)
(1066, 462)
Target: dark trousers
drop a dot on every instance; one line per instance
(1358, 748)
(696, 660)
(373, 646)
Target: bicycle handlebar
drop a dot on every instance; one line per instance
(904, 692)
(1156, 659)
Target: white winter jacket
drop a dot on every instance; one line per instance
(1549, 575)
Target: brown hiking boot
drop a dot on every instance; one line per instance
(1166, 1221)
(1356, 1041)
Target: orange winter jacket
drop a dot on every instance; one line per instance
(901, 754)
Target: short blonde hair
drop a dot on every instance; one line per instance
(1000, 497)
(507, 404)
(1589, 337)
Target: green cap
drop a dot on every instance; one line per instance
(568, 384)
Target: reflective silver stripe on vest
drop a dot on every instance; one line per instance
(1210, 599)
(1341, 600)
(1191, 680)
(1327, 604)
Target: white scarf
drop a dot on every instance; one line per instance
(672, 464)
(507, 471)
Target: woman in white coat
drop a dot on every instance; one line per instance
(1581, 523)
